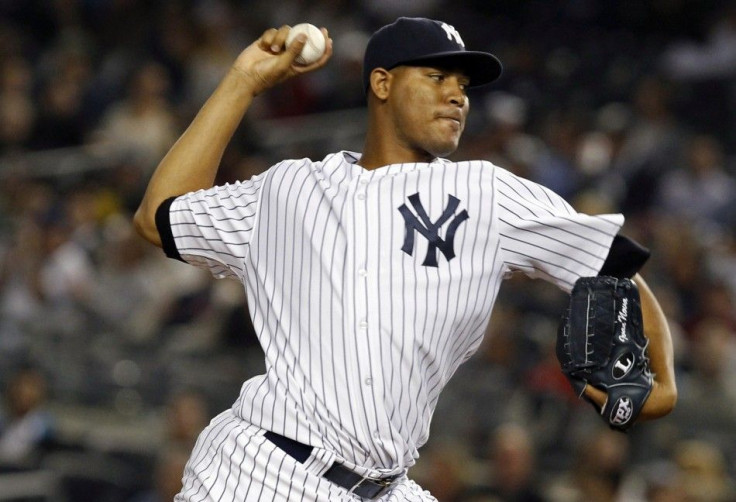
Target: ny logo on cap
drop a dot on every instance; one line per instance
(452, 33)
(430, 229)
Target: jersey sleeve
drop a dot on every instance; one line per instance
(544, 237)
(212, 228)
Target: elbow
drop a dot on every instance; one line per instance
(661, 401)
(670, 399)
(139, 222)
(665, 401)
(145, 224)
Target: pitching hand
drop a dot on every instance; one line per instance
(267, 61)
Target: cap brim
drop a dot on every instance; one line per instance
(481, 67)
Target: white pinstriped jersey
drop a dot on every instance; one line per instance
(368, 289)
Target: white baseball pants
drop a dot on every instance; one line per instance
(233, 462)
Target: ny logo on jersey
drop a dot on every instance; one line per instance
(452, 33)
(430, 230)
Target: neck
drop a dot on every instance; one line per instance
(378, 152)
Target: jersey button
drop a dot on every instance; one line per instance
(369, 381)
(363, 324)
(362, 272)
(361, 196)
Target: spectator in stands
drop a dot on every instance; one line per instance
(187, 413)
(662, 482)
(512, 476)
(703, 472)
(707, 403)
(25, 425)
(598, 469)
(61, 120)
(17, 110)
(166, 479)
(701, 189)
(66, 275)
(651, 143)
(446, 469)
(144, 124)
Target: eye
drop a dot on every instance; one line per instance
(440, 78)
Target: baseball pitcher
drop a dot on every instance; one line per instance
(371, 276)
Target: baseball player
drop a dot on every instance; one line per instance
(370, 277)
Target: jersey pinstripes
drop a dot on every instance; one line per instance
(360, 337)
(219, 241)
(550, 225)
(240, 464)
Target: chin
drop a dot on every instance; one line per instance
(443, 150)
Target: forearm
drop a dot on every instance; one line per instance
(664, 394)
(192, 162)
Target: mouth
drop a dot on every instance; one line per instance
(455, 118)
(454, 123)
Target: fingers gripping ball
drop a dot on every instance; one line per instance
(315, 46)
(601, 342)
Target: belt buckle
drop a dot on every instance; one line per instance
(373, 488)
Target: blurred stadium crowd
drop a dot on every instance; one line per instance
(112, 358)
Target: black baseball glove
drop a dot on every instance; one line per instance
(601, 342)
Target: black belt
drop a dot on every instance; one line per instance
(369, 488)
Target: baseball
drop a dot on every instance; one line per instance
(315, 46)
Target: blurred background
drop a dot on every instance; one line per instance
(113, 358)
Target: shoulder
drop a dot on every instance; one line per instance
(331, 161)
(481, 170)
(521, 185)
(289, 165)
(523, 191)
(488, 172)
(469, 164)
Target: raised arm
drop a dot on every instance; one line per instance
(663, 397)
(192, 162)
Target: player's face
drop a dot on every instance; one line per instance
(429, 108)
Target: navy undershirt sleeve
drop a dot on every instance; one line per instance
(163, 225)
(625, 258)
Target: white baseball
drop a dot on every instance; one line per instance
(315, 46)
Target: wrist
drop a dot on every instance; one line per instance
(247, 82)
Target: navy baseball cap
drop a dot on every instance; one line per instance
(414, 41)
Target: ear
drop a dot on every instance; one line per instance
(380, 83)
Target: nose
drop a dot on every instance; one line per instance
(456, 93)
(458, 100)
